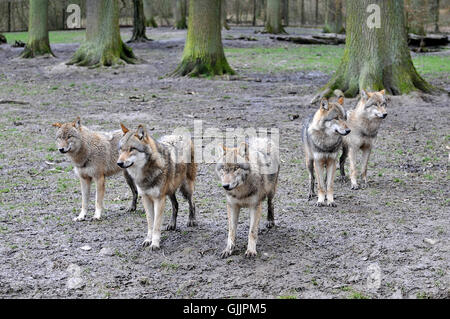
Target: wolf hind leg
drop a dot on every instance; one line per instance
(173, 222)
(270, 216)
(310, 167)
(342, 160)
(187, 189)
(133, 188)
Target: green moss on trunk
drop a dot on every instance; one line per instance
(203, 53)
(38, 41)
(103, 45)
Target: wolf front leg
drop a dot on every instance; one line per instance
(149, 214)
(364, 163)
(255, 216)
(233, 217)
(85, 192)
(99, 195)
(331, 173)
(353, 169)
(158, 205)
(319, 168)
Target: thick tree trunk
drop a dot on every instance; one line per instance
(38, 42)
(138, 23)
(103, 45)
(223, 15)
(148, 13)
(180, 14)
(203, 53)
(334, 21)
(376, 58)
(273, 13)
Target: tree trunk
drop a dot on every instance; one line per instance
(180, 14)
(376, 58)
(148, 13)
(237, 7)
(333, 17)
(103, 45)
(418, 17)
(223, 15)
(316, 13)
(435, 15)
(302, 12)
(286, 12)
(38, 42)
(273, 13)
(254, 14)
(203, 52)
(138, 23)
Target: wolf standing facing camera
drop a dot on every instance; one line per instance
(159, 169)
(94, 156)
(322, 139)
(364, 121)
(249, 174)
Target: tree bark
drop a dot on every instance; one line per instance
(223, 15)
(376, 58)
(273, 22)
(316, 13)
(435, 15)
(333, 17)
(302, 12)
(286, 12)
(254, 14)
(180, 14)
(148, 13)
(38, 41)
(138, 23)
(203, 53)
(237, 7)
(103, 45)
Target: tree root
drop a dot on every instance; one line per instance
(91, 56)
(199, 67)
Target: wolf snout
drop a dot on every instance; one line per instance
(384, 115)
(347, 131)
(63, 150)
(226, 186)
(121, 164)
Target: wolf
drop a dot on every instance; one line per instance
(322, 135)
(364, 121)
(94, 156)
(159, 168)
(248, 174)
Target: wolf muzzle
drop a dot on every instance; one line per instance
(122, 165)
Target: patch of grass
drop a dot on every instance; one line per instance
(287, 297)
(357, 295)
(431, 64)
(169, 266)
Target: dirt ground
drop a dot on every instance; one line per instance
(396, 230)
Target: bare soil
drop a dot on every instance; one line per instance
(397, 227)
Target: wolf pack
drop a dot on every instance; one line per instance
(156, 169)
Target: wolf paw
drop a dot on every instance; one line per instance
(154, 247)
(146, 243)
(79, 219)
(331, 204)
(311, 196)
(226, 253)
(131, 209)
(192, 223)
(171, 227)
(319, 204)
(270, 224)
(96, 217)
(355, 186)
(250, 253)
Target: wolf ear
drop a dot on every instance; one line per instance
(140, 132)
(324, 103)
(124, 129)
(57, 124)
(243, 149)
(77, 123)
(341, 100)
(383, 91)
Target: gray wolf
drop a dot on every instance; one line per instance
(249, 174)
(322, 138)
(159, 169)
(94, 156)
(364, 121)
